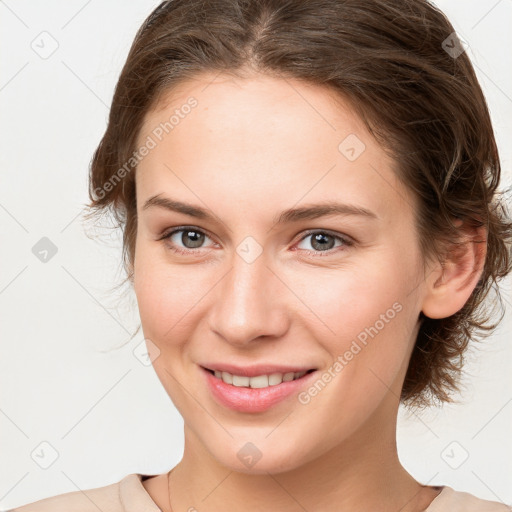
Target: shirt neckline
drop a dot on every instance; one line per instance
(440, 497)
(133, 499)
(133, 494)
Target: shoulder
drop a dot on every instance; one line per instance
(110, 498)
(102, 498)
(450, 500)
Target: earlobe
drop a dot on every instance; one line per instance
(452, 282)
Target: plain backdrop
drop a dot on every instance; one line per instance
(76, 413)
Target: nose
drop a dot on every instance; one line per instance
(249, 303)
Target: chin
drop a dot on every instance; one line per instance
(262, 467)
(258, 458)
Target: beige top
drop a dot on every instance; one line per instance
(129, 495)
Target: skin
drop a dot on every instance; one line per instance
(252, 148)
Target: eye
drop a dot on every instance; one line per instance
(324, 241)
(189, 237)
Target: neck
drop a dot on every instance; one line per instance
(361, 473)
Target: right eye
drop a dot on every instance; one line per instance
(189, 236)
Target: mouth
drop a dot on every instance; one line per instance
(262, 381)
(257, 393)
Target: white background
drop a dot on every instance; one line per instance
(104, 413)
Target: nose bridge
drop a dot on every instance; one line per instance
(247, 302)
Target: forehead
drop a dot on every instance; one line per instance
(263, 138)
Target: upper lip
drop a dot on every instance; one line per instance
(255, 369)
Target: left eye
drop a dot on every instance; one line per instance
(322, 241)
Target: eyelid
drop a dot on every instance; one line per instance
(345, 238)
(171, 231)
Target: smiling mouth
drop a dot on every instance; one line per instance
(258, 381)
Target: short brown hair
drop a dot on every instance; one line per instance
(389, 59)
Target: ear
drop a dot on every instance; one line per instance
(451, 282)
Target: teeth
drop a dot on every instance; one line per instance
(227, 378)
(260, 381)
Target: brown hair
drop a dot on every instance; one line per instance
(396, 62)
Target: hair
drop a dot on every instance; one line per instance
(390, 60)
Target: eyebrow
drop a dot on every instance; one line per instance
(307, 212)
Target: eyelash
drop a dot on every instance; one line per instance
(347, 242)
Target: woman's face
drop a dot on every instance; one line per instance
(249, 282)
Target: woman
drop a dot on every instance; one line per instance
(308, 195)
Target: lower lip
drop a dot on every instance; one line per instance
(244, 399)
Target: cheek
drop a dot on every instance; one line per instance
(366, 320)
(168, 296)
(345, 301)
(372, 318)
